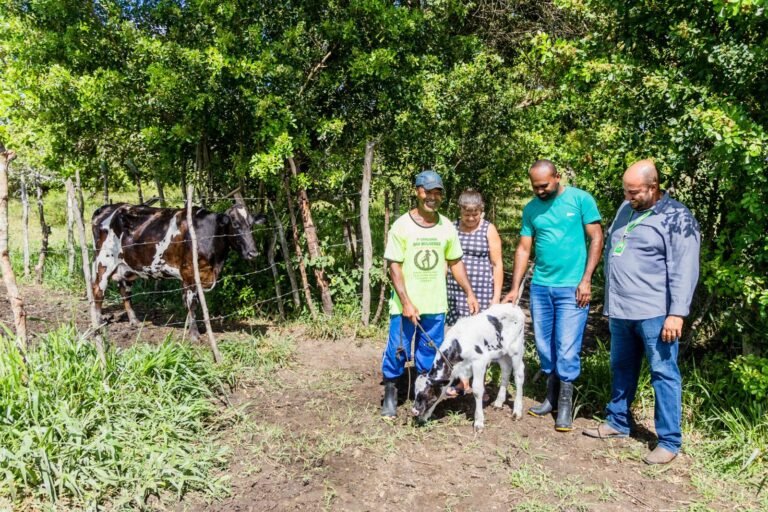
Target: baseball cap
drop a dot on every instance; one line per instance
(428, 180)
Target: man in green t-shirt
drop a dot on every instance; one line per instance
(558, 219)
(421, 243)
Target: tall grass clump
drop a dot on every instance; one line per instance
(79, 436)
(732, 414)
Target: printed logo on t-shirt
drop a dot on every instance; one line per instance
(570, 214)
(426, 259)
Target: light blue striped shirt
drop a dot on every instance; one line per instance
(657, 271)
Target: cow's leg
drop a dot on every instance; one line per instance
(505, 364)
(125, 293)
(519, 368)
(190, 300)
(101, 275)
(478, 389)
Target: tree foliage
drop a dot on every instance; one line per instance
(223, 92)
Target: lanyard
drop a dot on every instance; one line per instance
(631, 225)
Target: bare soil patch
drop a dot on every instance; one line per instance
(312, 439)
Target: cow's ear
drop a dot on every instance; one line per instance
(260, 219)
(224, 220)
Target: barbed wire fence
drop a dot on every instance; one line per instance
(262, 305)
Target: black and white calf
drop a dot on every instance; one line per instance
(495, 335)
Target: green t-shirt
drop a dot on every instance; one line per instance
(557, 226)
(423, 252)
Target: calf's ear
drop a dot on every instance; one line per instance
(260, 219)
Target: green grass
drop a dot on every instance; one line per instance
(76, 436)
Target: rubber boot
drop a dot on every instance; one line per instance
(564, 422)
(389, 404)
(546, 406)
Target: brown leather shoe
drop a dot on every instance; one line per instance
(659, 456)
(603, 431)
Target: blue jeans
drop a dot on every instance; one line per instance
(398, 349)
(629, 339)
(558, 326)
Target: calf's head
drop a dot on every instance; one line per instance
(242, 223)
(428, 390)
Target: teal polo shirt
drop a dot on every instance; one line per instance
(557, 226)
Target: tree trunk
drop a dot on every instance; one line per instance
(286, 256)
(160, 192)
(95, 316)
(9, 278)
(184, 178)
(70, 232)
(45, 230)
(105, 180)
(396, 203)
(275, 275)
(348, 235)
(384, 282)
(137, 178)
(79, 191)
(299, 252)
(25, 222)
(365, 228)
(199, 284)
(313, 244)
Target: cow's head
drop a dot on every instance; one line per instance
(428, 390)
(241, 224)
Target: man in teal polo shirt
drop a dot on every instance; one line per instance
(559, 219)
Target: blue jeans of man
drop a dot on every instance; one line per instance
(558, 326)
(629, 339)
(398, 349)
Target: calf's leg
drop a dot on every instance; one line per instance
(519, 369)
(505, 364)
(478, 389)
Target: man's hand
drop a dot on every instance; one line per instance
(510, 297)
(673, 329)
(583, 293)
(474, 306)
(411, 313)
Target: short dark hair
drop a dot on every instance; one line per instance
(544, 164)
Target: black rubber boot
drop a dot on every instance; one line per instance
(389, 404)
(546, 407)
(564, 422)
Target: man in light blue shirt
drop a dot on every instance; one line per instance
(651, 270)
(559, 219)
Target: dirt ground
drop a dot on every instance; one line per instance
(311, 439)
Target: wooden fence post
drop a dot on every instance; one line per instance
(70, 233)
(198, 283)
(45, 229)
(98, 335)
(25, 221)
(365, 227)
(275, 275)
(384, 282)
(9, 278)
(286, 255)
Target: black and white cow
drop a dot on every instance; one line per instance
(141, 242)
(473, 343)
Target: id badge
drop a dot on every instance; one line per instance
(619, 249)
